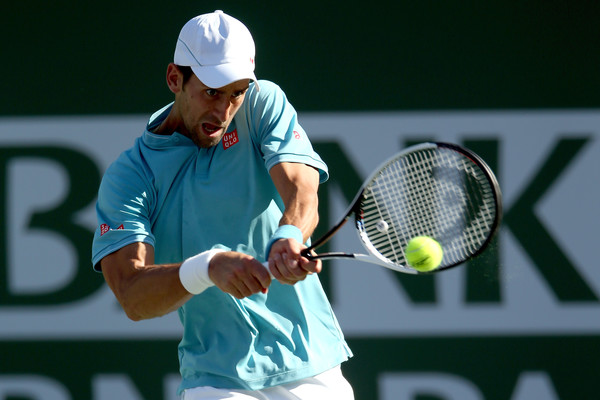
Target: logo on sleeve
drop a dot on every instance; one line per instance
(105, 228)
(229, 139)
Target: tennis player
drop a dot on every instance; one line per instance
(221, 180)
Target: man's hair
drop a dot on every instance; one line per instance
(186, 72)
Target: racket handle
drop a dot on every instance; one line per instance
(307, 253)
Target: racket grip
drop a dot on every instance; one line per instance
(307, 253)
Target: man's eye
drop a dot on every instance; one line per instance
(240, 93)
(211, 92)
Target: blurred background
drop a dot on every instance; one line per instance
(517, 83)
(110, 57)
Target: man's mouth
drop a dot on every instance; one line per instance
(211, 129)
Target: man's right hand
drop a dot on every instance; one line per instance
(238, 274)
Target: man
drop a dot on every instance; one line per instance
(221, 180)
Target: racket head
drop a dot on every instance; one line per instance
(435, 189)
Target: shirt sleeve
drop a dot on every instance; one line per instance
(275, 124)
(123, 210)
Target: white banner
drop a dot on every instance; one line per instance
(548, 164)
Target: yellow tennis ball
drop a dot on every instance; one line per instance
(424, 253)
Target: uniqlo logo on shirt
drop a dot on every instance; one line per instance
(105, 228)
(229, 139)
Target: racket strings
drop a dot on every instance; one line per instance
(434, 192)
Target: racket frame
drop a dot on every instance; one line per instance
(374, 257)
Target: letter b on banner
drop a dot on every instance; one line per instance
(56, 218)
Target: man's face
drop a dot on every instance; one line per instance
(207, 112)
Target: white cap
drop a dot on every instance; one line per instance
(218, 48)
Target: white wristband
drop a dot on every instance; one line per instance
(193, 272)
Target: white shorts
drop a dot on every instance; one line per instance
(326, 386)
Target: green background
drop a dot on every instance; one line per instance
(99, 57)
(494, 363)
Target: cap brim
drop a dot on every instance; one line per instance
(217, 76)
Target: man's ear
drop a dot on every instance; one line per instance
(174, 78)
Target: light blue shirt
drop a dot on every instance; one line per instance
(183, 200)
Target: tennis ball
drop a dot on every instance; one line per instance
(424, 253)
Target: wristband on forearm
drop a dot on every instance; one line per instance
(284, 232)
(193, 272)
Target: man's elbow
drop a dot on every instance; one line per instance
(139, 310)
(135, 314)
(132, 311)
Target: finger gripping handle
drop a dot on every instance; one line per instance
(306, 253)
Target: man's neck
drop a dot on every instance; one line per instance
(168, 125)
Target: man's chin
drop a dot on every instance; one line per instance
(205, 141)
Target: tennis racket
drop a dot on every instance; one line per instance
(440, 190)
